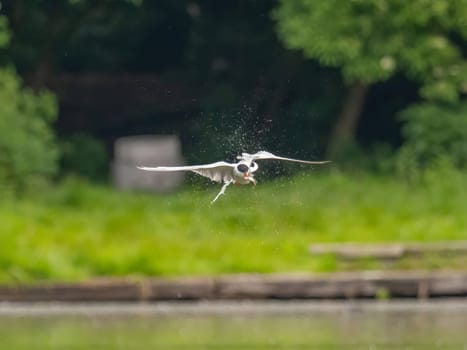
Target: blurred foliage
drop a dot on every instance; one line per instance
(370, 40)
(28, 153)
(434, 131)
(84, 155)
(379, 159)
(4, 32)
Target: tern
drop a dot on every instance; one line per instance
(240, 173)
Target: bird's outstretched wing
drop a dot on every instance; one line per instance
(267, 155)
(219, 171)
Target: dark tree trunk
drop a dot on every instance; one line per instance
(347, 123)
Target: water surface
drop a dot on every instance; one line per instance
(246, 325)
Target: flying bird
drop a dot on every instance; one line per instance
(240, 173)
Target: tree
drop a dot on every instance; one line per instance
(28, 154)
(372, 40)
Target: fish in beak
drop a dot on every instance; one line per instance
(247, 176)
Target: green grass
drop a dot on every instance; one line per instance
(76, 230)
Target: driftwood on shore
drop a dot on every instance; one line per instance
(413, 284)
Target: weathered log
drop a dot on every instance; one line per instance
(190, 288)
(109, 290)
(349, 285)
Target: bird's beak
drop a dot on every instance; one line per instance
(247, 176)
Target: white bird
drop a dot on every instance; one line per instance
(230, 173)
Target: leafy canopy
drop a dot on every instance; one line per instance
(371, 40)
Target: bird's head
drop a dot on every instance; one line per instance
(245, 170)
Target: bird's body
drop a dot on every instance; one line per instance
(240, 173)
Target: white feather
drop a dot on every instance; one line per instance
(219, 171)
(267, 155)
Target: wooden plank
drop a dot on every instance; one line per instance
(387, 251)
(349, 285)
(189, 288)
(335, 286)
(358, 251)
(442, 247)
(448, 285)
(111, 290)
